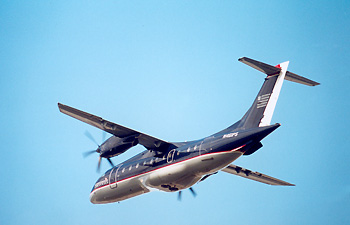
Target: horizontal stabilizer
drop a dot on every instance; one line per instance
(275, 70)
(299, 79)
(236, 170)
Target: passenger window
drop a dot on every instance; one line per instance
(123, 170)
(137, 166)
(130, 168)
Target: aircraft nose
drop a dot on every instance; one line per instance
(93, 197)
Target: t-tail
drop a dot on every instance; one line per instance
(261, 111)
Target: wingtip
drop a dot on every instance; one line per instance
(241, 58)
(60, 106)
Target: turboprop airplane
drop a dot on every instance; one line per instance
(174, 166)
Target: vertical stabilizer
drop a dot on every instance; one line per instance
(261, 111)
(271, 103)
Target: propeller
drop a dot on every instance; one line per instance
(86, 154)
(192, 191)
(98, 150)
(98, 164)
(89, 135)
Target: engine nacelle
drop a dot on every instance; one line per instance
(114, 146)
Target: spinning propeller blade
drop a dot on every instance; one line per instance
(98, 150)
(193, 192)
(85, 154)
(110, 161)
(88, 135)
(103, 136)
(98, 165)
(179, 197)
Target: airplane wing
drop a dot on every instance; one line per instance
(151, 143)
(236, 170)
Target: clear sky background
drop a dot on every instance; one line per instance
(170, 69)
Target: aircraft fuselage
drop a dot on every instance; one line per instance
(170, 166)
(178, 169)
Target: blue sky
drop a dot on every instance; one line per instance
(170, 69)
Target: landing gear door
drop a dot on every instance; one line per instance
(113, 177)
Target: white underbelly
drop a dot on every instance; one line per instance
(184, 174)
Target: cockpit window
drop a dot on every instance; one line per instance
(107, 172)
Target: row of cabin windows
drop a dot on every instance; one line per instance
(137, 166)
(151, 161)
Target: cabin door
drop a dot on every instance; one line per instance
(170, 156)
(113, 177)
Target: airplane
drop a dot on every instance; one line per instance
(175, 166)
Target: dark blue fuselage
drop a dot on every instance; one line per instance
(237, 141)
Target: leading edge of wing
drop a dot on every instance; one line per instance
(115, 129)
(239, 171)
